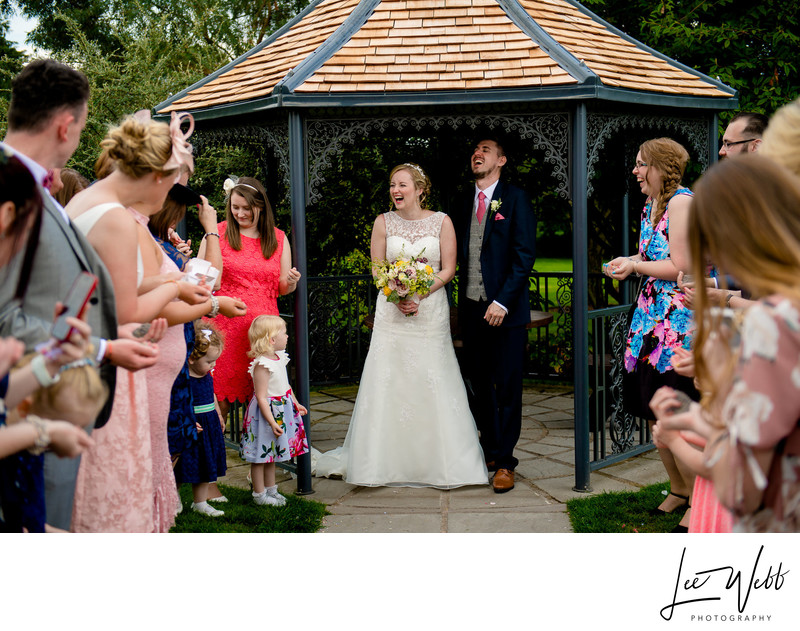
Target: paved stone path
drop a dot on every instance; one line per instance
(544, 481)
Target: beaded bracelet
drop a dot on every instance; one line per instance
(214, 307)
(42, 435)
(211, 234)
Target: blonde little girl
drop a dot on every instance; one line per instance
(273, 430)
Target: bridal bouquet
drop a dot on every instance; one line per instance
(410, 277)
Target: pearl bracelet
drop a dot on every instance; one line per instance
(214, 307)
(42, 437)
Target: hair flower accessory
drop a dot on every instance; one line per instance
(231, 182)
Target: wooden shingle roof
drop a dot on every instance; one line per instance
(438, 48)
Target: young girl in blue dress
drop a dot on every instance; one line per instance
(272, 430)
(204, 461)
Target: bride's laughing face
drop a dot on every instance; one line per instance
(402, 191)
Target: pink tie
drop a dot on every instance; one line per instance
(481, 206)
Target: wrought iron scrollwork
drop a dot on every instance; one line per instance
(622, 425)
(600, 126)
(548, 132)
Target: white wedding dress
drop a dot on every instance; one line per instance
(411, 424)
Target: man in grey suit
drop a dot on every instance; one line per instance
(46, 116)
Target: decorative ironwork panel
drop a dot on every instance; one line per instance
(548, 132)
(601, 126)
(273, 137)
(622, 425)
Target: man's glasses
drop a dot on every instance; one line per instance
(727, 144)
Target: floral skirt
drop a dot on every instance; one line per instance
(259, 443)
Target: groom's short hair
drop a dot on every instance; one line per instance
(496, 139)
(43, 88)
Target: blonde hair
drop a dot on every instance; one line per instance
(670, 158)
(781, 140)
(136, 148)
(418, 176)
(261, 331)
(203, 344)
(750, 201)
(84, 380)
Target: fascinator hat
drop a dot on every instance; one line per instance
(181, 148)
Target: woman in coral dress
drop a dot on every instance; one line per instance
(257, 268)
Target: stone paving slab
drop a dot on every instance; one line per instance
(509, 522)
(538, 468)
(383, 523)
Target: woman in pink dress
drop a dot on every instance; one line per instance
(256, 267)
(120, 486)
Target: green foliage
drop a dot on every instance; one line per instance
(242, 515)
(622, 512)
(11, 60)
(750, 46)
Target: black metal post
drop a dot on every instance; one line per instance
(580, 297)
(297, 168)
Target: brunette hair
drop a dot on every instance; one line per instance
(73, 182)
(260, 332)
(18, 186)
(169, 215)
(421, 181)
(256, 197)
(756, 123)
(42, 89)
(137, 148)
(670, 158)
(204, 342)
(782, 137)
(750, 201)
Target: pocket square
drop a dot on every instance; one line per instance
(498, 217)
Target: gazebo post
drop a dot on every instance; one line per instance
(297, 170)
(580, 296)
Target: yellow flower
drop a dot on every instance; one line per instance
(386, 291)
(428, 269)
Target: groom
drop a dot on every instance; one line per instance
(496, 232)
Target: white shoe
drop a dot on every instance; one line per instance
(204, 508)
(264, 499)
(221, 498)
(280, 498)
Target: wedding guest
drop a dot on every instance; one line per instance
(782, 136)
(750, 420)
(743, 134)
(72, 184)
(272, 430)
(420, 433)
(126, 483)
(46, 115)
(496, 231)
(256, 267)
(661, 322)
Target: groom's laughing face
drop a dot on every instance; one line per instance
(487, 159)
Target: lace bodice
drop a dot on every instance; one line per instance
(414, 238)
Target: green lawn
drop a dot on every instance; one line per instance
(553, 265)
(622, 512)
(242, 515)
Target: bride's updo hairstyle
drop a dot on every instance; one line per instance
(137, 148)
(421, 181)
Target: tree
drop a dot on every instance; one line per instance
(750, 46)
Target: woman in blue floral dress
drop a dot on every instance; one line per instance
(661, 322)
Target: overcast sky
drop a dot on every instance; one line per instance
(18, 31)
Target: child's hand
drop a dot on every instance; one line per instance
(198, 426)
(301, 409)
(221, 422)
(276, 429)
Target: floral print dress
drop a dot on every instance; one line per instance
(761, 412)
(259, 443)
(661, 322)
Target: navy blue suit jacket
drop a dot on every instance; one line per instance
(508, 251)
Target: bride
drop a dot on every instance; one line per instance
(411, 424)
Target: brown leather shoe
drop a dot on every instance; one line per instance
(503, 481)
(491, 465)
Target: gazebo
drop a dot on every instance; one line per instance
(549, 72)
